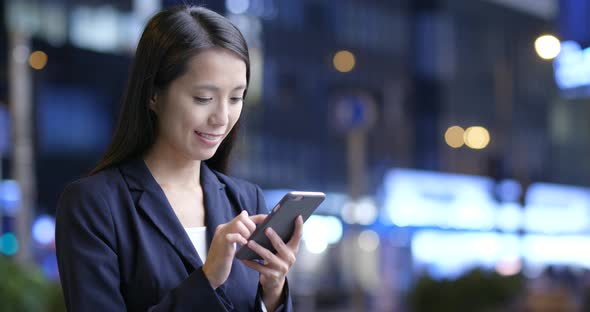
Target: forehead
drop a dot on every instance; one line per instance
(217, 66)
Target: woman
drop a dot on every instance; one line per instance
(155, 225)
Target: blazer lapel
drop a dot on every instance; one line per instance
(153, 202)
(218, 208)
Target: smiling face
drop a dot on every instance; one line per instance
(200, 108)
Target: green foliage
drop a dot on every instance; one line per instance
(475, 291)
(26, 289)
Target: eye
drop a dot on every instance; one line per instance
(202, 99)
(236, 99)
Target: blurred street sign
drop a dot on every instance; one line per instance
(354, 112)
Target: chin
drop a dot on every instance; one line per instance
(203, 156)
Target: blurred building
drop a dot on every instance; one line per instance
(451, 93)
(418, 68)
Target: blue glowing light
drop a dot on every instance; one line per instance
(509, 190)
(8, 244)
(449, 254)
(557, 209)
(237, 6)
(10, 195)
(558, 250)
(509, 217)
(423, 198)
(49, 267)
(44, 229)
(572, 66)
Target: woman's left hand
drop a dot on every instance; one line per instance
(276, 266)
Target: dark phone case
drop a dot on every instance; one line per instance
(282, 220)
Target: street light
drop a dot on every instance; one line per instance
(547, 47)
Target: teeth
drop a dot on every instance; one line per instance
(208, 136)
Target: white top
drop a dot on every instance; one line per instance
(198, 236)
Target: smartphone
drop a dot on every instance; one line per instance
(282, 220)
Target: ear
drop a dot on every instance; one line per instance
(153, 104)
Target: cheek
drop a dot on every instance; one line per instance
(176, 120)
(173, 118)
(185, 115)
(234, 114)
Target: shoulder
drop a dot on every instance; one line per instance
(98, 184)
(89, 196)
(84, 211)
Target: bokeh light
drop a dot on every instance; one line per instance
(366, 211)
(508, 267)
(547, 47)
(316, 246)
(19, 53)
(368, 240)
(476, 137)
(38, 60)
(10, 195)
(363, 211)
(237, 6)
(454, 136)
(44, 229)
(8, 244)
(344, 61)
(326, 228)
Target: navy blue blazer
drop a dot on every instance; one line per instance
(121, 247)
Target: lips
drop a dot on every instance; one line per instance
(209, 136)
(209, 139)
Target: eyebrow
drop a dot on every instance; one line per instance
(214, 88)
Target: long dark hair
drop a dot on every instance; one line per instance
(168, 42)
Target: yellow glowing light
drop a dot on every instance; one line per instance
(547, 47)
(476, 137)
(38, 60)
(344, 61)
(454, 136)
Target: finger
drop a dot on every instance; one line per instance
(235, 238)
(249, 223)
(269, 258)
(245, 219)
(258, 267)
(240, 227)
(237, 227)
(259, 218)
(297, 234)
(283, 251)
(243, 215)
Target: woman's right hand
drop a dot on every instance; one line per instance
(223, 246)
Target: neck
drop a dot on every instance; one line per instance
(172, 169)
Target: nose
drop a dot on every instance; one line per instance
(220, 114)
